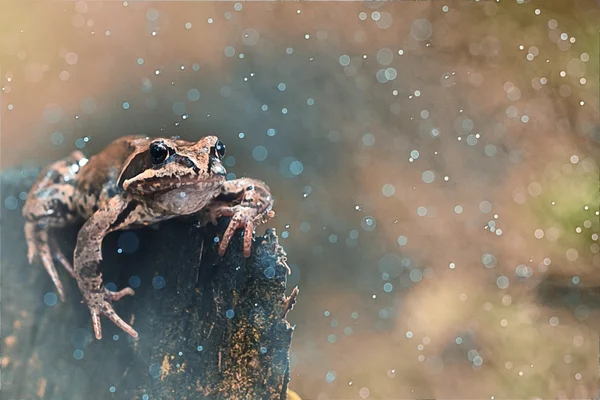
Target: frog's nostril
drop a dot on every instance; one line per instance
(218, 170)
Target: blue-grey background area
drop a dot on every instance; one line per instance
(401, 140)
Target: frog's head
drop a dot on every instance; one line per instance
(163, 165)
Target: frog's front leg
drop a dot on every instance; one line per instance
(117, 214)
(248, 201)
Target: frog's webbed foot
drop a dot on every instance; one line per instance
(100, 303)
(40, 244)
(253, 207)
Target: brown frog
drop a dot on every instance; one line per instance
(136, 181)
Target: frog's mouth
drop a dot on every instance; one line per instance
(163, 184)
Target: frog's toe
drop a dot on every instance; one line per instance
(31, 252)
(31, 242)
(248, 231)
(239, 220)
(38, 246)
(96, 323)
(114, 296)
(99, 303)
(59, 255)
(51, 269)
(114, 317)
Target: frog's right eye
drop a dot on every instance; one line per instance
(220, 147)
(158, 152)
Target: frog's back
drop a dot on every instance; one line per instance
(52, 197)
(97, 180)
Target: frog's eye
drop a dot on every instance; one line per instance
(158, 152)
(220, 149)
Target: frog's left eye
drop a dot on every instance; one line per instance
(158, 152)
(220, 147)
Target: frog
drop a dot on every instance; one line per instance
(134, 182)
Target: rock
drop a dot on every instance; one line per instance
(209, 327)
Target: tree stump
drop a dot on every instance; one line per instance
(209, 327)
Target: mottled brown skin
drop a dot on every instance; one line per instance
(136, 181)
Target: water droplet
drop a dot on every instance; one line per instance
(368, 139)
(344, 60)
(128, 242)
(428, 176)
(78, 354)
(502, 282)
(154, 370)
(388, 190)
(158, 282)
(229, 51)
(269, 272)
(368, 223)
(330, 377)
(260, 153)
(50, 299)
(11, 203)
(135, 282)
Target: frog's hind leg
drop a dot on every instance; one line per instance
(50, 205)
(41, 244)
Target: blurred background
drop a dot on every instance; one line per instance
(432, 162)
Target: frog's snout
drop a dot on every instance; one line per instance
(218, 169)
